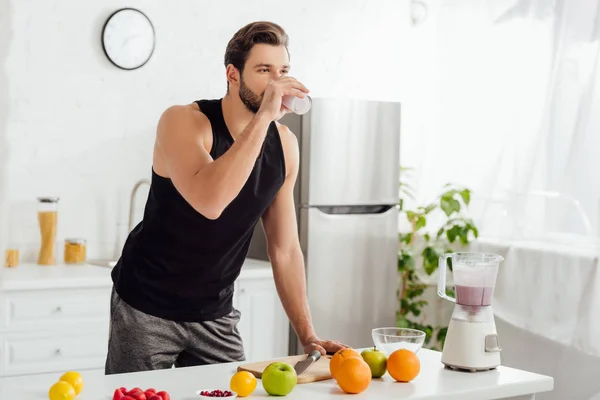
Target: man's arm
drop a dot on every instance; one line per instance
(192, 169)
(279, 222)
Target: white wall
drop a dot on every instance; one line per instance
(4, 104)
(78, 128)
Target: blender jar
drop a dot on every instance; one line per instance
(48, 221)
(474, 277)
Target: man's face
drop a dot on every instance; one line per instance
(265, 62)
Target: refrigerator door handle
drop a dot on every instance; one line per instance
(349, 210)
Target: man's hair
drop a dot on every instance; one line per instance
(242, 42)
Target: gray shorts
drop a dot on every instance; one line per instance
(141, 342)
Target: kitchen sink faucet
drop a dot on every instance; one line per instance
(132, 201)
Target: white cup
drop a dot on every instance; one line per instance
(296, 104)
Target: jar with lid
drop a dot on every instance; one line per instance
(14, 240)
(48, 221)
(11, 257)
(75, 251)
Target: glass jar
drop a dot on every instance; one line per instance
(75, 250)
(48, 220)
(12, 258)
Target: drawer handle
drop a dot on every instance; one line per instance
(57, 353)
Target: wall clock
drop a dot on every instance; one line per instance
(128, 38)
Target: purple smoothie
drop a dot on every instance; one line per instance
(474, 295)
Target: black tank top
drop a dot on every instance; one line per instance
(178, 265)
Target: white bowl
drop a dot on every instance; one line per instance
(391, 339)
(210, 390)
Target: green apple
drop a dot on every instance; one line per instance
(279, 378)
(377, 361)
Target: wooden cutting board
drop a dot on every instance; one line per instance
(318, 371)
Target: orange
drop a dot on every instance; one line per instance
(75, 379)
(61, 390)
(243, 383)
(403, 365)
(354, 375)
(339, 357)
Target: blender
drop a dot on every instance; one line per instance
(471, 341)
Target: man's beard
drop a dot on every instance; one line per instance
(251, 100)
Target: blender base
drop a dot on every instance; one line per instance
(471, 346)
(467, 369)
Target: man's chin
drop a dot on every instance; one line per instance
(250, 107)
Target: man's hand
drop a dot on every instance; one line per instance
(324, 346)
(272, 107)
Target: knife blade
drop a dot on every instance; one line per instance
(303, 365)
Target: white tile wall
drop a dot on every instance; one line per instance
(5, 38)
(79, 128)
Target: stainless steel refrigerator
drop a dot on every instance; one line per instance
(346, 197)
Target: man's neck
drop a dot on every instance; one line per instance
(236, 115)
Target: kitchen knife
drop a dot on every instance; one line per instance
(303, 365)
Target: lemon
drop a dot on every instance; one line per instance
(75, 379)
(61, 390)
(243, 383)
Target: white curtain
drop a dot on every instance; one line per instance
(504, 97)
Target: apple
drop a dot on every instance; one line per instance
(279, 378)
(377, 361)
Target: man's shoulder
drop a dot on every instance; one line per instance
(183, 111)
(184, 115)
(285, 133)
(289, 143)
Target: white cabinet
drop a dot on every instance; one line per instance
(53, 329)
(55, 308)
(48, 351)
(264, 326)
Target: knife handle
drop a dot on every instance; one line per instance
(315, 354)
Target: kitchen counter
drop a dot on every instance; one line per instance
(33, 276)
(434, 382)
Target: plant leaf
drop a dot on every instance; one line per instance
(405, 237)
(429, 208)
(455, 205)
(402, 322)
(446, 206)
(466, 195)
(463, 234)
(449, 205)
(449, 260)
(430, 260)
(441, 335)
(421, 222)
(452, 233)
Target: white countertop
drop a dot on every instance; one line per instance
(33, 276)
(433, 382)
